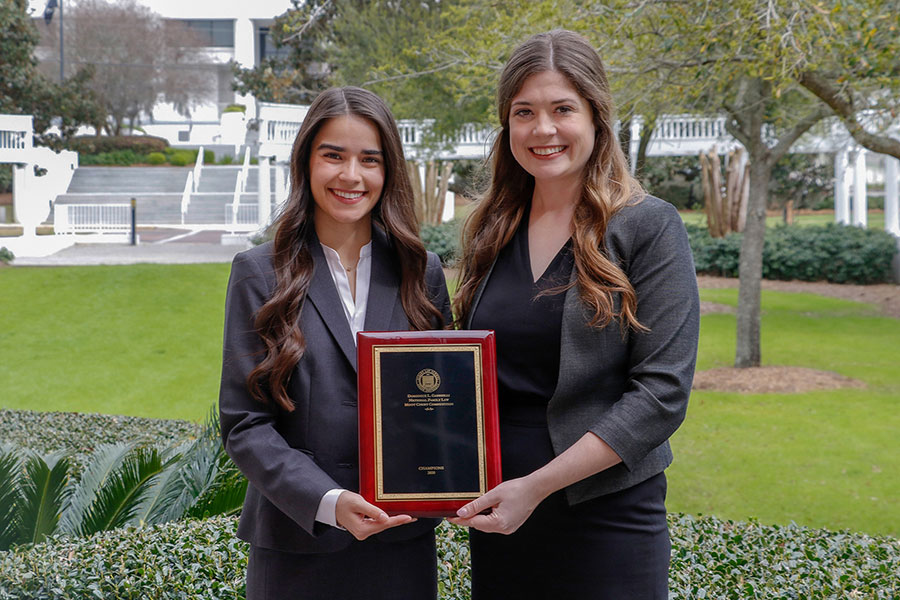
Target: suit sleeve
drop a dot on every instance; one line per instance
(286, 476)
(437, 288)
(661, 361)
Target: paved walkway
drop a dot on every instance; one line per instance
(158, 245)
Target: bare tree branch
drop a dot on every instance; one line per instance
(787, 140)
(412, 74)
(825, 91)
(309, 22)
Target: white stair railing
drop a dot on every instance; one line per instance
(236, 198)
(245, 170)
(186, 195)
(197, 166)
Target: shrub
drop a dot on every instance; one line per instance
(139, 144)
(120, 485)
(442, 239)
(81, 433)
(226, 160)
(209, 157)
(6, 255)
(711, 558)
(235, 108)
(156, 158)
(120, 158)
(835, 253)
(180, 158)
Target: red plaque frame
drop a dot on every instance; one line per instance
(373, 345)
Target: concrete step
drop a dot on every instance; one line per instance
(128, 180)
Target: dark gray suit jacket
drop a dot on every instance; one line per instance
(292, 458)
(632, 391)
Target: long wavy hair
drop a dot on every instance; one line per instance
(278, 320)
(608, 185)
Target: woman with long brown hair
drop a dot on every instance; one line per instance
(346, 257)
(589, 284)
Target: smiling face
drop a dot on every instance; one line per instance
(346, 173)
(551, 129)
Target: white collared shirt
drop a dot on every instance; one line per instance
(355, 311)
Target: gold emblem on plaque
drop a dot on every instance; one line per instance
(428, 380)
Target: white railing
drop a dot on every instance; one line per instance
(186, 195)
(16, 137)
(245, 170)
(689, 127)
(236, 198)
(242, 216)
(91, 218)
(197, 166)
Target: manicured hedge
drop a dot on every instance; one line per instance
(139, 144)
(80, 433)
(711, 558)
(835, 253)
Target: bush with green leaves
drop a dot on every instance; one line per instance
(139, 144)
(79, 434)
(117, 158)
(6, 255)
(209, 157)
(834, 253)
(121, 484)
(180, 158)
(156, 158)
(711, 558)
(443, 240)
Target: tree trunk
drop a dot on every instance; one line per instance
(646, 133)
(748, 351)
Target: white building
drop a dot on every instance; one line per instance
(232, 30)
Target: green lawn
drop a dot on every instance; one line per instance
(826, 459)
(145, 340)
(875, 219)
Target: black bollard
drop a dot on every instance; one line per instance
(134, 222)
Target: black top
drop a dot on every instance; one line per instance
(527, 326)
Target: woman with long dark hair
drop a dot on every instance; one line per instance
(346, 257)
(589, 284)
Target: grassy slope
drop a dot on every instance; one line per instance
(146, 341)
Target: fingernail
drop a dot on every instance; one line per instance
(463, 512)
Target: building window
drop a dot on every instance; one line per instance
(267, 47)
(217, 33)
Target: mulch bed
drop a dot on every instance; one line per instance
(790, 380)
(771, 380)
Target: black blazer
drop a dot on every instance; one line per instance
(630, 390)
(292, 458)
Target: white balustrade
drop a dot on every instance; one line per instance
(91, 218)
(241, 217)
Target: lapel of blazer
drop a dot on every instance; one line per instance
(323, 294)
(478, 293)
(384, 286)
